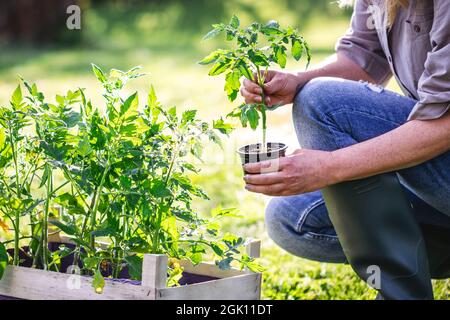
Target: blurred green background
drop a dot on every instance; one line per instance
(164, 36)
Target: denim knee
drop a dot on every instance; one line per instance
(287, 226)
(312, 113)
(316, 97)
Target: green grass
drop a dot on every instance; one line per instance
(166, 41)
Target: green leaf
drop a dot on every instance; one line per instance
(60, 99)
(2, 138)
(272, 28)
(217, 248)
(308, 53)
(244, 119)
(273, 24)
(84, 147)
(67, 229)
(98, 283)
(105, 232)
(232, 84)
(153, 110)
(230, 212)
(225, 263)
(297, 49)
(281, 56)
(196, 253)
(159, 189)
(98, 73)
(258, 58)
(152, 99)
(214, 32)
(129, 129)
(212, 57)
(196, 258)
(130, 105)
(222, 126)
(91, 262)
(218, 68)
(188, 116)
(70, 202)
(253, 117)
(235, 23)
(3, 259)
(230, 35)
(245, 70)
(134, 263)
(16, 98)
(45, 176)
(169, 225)
(213, 229)
(71, 118)
(255, 267)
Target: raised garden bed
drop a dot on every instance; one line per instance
(204, 281)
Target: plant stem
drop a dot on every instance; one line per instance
(93, 214)
(17, 212)
(264, 126)
(263, 107)
(45, 220)
(38, 252)
(155, 246)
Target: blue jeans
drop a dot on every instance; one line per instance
(330, 114)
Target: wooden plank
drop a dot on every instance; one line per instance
(253, 248)
(243, 287)
(33, 284)
(210, 269)
(154, 270)
(27, 283)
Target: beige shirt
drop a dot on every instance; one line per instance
(416, 50)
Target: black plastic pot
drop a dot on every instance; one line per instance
(253, 153)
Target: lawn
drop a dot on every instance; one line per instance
(166, 41)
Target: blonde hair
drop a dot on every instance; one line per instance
(392, 7)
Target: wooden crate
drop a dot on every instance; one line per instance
(233, 284)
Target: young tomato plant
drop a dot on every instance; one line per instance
(119, 173)
(255, 49)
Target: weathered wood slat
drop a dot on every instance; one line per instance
(253, 248)
(243, 287)
(33, 284)
(154, 270)
(209, 269)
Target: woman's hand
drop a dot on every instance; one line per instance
(279, 88)
(303, 171)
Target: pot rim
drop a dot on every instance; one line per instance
(282, 147)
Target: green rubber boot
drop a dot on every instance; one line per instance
(437, 241)
(379, 234)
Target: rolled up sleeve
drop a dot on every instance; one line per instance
(434, 84)
(362, 45)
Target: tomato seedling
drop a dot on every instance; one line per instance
(255, 49)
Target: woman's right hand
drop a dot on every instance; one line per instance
(280, 88)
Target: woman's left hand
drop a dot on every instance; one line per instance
(303, 171)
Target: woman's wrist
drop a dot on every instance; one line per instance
(336, 167)
(301, 78)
